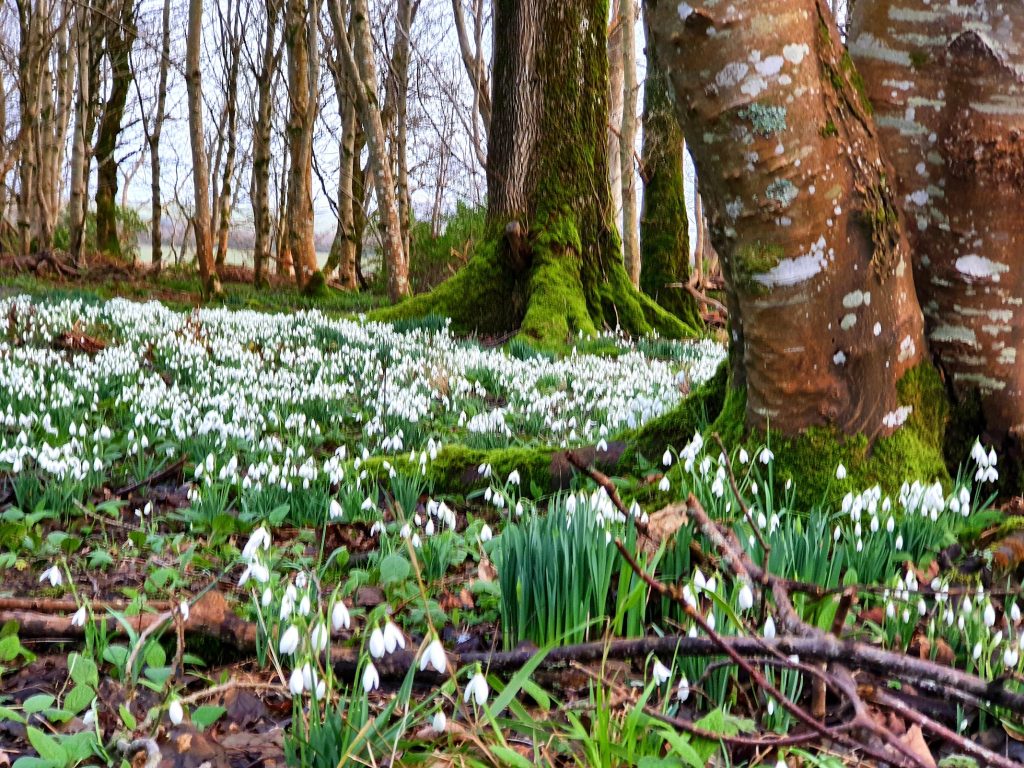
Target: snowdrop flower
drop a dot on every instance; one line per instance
(1014, 613)
(175, 712)
(899, 542)
(78, 620)
(260, 539)
(318, 637)
(990, 615)
(683, 689)
(393, 637)
(766, 456)
(840, 472)
(477, 689)
(335, 511)
(660, 672)
(289, 640)
(746, 598)
(340, 618)
(184, 610)
(53, 575)
(513, 477)
(1010, 656)
(486, 533)
(744, 456)
(268, 597)
(664, 485)
(295, 682)
(769, 628)
(976, 653)
(439, 722)
(304, 606)
(377, 645)
(371, 679)
(666, 459)
(434, 656)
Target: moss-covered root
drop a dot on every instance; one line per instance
(483, 297)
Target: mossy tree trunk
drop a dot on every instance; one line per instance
(945, 84)
(552, 266)
(825, 320)
(120, 37)
(664, 229)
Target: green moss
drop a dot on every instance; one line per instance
(850, 70)
(919, 59)
(316, 285)
(829, 130)
(755, 259)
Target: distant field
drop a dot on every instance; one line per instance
(239, 257)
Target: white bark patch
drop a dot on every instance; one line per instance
(731, 74)
(907, 349)
(870, 47)
(839, 357)
(877, 330)
(980, 268)
(793, 271)
(795, 53)
(1008, 356)
(849, 320)
(985, 383)
(919, 198)
(955, 333)
(770, 66)
(855, 299)
(685, 11)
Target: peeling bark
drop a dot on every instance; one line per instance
(947, 86)
(824, 316)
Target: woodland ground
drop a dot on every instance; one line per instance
(274, 531)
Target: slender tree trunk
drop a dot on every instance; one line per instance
(29, 81)
(397, 105)
(79, 158)
(261, 142)
(302, 100)
(120, 36)
(472, 59)
(358, 61)
(156, 235)
(664, 229)
(944, 81)
(200, 168)
(627, 142)
(824, 317)
(225, 199)
(616, 105)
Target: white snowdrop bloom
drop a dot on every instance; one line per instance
(660, 672)
(1015, 613)
(769, 628)
(340, 618)
(899, 543)
(698, 579)
(377, 647)
(175, 712)
(289, 640)
(335, 511)
(79, 619)
(393, 637)
(683, 689)
(305, 606)
(477, 689)
(1010, 656)
(766, 456)
(415, 541)
(840, 472)
(780, 763)
(268, 597)
(434, 656)
(746, 598)
(53, 575)
(429, 528)
(711, 621)
(990, 615)
(259, 539)
(664, 485)
(976, 653)
(371, 678)
(666, 458)
(439, 722)
(744, 456)
(513, 477)
(688, 596)
(486, 533)
(318, 637)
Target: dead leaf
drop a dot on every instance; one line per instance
(486, 571)
(663, 525)
(914, 740)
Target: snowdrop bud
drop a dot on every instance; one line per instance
(976, 653)
(660, 672)
(840, 472)
(183, 609)
(439, 722)
(666, 459)
(664, 485)
(335, 510)
(744, 456)
(683, 690)
(78, 620)
(371, 679)
(769, 628)
(268, 597)
(477, 689)
(1014, 613)
(304, 606)
(295, 682)
(318, 637)
(990, 615)
(1010, 657)
(175, 712)
(289, 640)
(486, 533)
(899, 542)
(377, 646)
(746, 598)
(340, 618)
(393, 637)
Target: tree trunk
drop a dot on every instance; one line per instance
(156, 235)
(945, 84)
(302, 90)
(552, 266)
(200, 168)
(265, 80)
(627, 143)
(225, 198)
(398, 96)
(79, 159)
(824, 317)
(616, 103)
(358, 61)
(664, 229)
(120, 36)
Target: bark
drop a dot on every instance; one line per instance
(119, 39)
(472, 60)
(154, 137)
(265, 80)
(359, 64)
(225, 197)
(616, 103)
(395, 117)
(664, 229)
(824, 317)
(627, 142)
(949, 98)
(302, 99)
(79, 157)
(200, 167)
(30, 55)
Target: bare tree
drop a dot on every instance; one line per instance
(627, 142)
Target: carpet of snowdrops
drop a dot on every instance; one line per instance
(267, 423)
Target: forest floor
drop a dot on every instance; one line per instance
(241, 538)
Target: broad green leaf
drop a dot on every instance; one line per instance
(11, 715)
(38, 703)
(47, 746)
(509, 756)
(394, 568)
(127, 717)
(204, 717)
(79, 698)
(83, 670)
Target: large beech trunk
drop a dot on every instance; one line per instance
(824, 316)
(949, 99)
